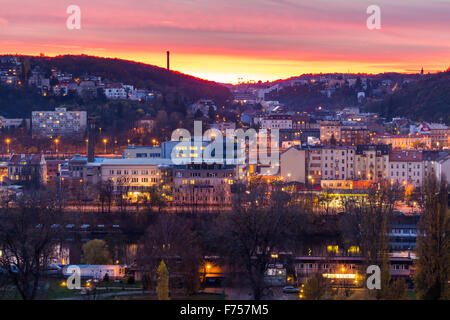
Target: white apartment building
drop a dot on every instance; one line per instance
(134, 174)
(59, 122)
(330, 129)
(406, 167)
(142, 152)
(115, 92)
(337, 162)
(11, 123)
(277, 121)
(314, 166)
(371, 162)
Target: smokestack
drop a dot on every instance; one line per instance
(91, 140)
(168, 60)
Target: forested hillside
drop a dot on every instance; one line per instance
(427, 99)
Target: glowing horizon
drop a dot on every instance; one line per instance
(255, 40)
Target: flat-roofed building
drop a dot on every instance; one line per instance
(134, 174)
(202, 184)
(142, 152)
(59, 123)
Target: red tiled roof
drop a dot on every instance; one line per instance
(414, 136)
(406, 156)
(30, 158)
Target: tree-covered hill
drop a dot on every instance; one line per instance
(187, 88)
(176, 92)
(427, 100)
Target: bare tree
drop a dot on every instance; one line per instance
(105, 193)
(171, 238)
(260, 224)
(27, 235)
(433, 271)
(366, 222)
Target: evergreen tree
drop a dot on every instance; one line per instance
(163, 282)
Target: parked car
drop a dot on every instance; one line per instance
(290, 289)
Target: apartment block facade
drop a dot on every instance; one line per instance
(58, 123)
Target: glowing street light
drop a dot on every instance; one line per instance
(105, 141)
(56, 144)
(8, 141)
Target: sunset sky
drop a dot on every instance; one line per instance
(230, 39)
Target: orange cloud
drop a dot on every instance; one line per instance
(252, 39)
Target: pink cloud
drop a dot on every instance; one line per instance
(413, 31)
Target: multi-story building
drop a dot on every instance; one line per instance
(134, 175)
(300, 122)
(330, 130)
(27, 169)
(443, 167)
(439, 133)
(59, 122)
(348, 271)
(277, 121)
(146, 124)
(142, 152)
(337, 162)
(293, 165)
(81, 170)
(404, 141)
(371, 162)
(431, 163)
(403, 232)
(116, 91)
(406, 167)
(54, 169)
(314, 166)
(202, 184)
(12, 123)
(352, 136)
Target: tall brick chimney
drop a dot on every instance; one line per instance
(91, 140)
(168, 60)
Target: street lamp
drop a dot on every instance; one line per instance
(56, 145)
(105, 141)
(8, 141)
